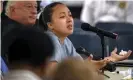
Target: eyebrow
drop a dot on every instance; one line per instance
(30, 4)
(64, 12)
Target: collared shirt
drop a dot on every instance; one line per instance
(63, 51)
(21, 75)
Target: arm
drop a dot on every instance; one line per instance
(115, 57)
(97, 64)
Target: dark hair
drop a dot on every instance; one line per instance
(46, 15)
(28, 46)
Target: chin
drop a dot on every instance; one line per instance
(32, 23)
(69, 33)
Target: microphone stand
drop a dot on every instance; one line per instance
(103, 50)
(102, 43)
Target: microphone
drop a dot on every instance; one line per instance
(82, 50)
(88, 27)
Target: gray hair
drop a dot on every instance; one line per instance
(9, 4)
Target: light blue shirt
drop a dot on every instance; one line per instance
(4, 68)
(63, 51)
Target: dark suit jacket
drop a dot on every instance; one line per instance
(8, 25)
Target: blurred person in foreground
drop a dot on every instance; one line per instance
(107, 11)
(29, 50)
(58, 23)
(76, 69)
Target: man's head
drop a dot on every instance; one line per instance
(28, 47)
(24, 12)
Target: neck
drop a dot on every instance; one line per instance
(61, 37)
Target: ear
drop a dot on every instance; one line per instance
(50, 26)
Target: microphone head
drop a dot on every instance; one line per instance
(82, 50)
(85, 26)
(116, 36)
(88, 27)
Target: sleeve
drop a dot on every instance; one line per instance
(57, 54)
(87, 12)
(73, 52)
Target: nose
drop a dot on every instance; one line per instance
(34, 11)
(69, 19)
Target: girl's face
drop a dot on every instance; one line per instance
(62, 21)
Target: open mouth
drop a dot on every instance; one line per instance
(70, 27)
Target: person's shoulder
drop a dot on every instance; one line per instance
(67, 39)
(4, 20)
(53, 37)
(68, 42)
(10, 23)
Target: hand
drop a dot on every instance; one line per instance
(99, 64)
(115, 57)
